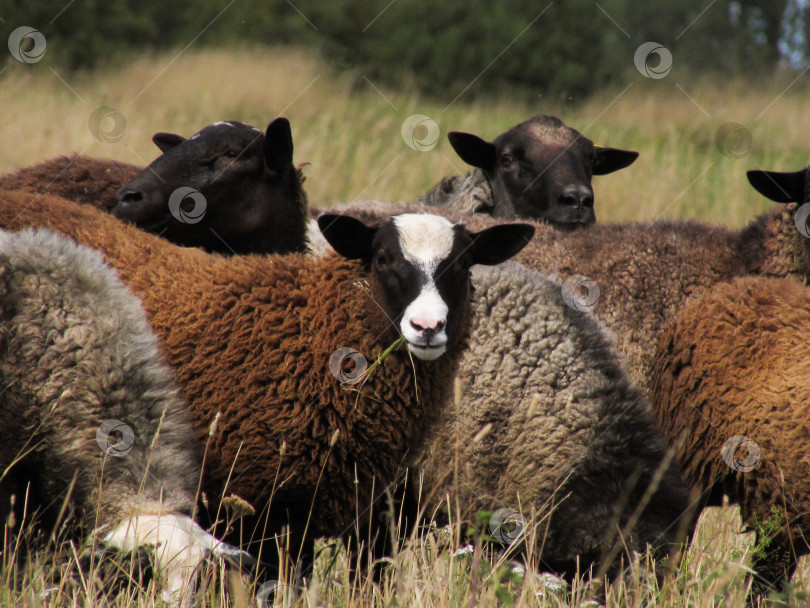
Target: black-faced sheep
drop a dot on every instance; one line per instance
(78, 363)
(731, 381)
(251, 339)
(230, 188)
(549, 419)
(539, 169)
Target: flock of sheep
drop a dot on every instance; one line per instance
(266, 368)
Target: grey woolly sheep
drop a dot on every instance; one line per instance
(549, 419)
(253, 341)
(731, 381)
(78, 363)
(539, 169)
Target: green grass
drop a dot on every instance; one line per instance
(350, 131)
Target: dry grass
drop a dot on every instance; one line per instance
(350, 130)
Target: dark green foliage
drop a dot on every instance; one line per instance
(537, 50)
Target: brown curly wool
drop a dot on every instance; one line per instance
(250, 339)
(734, 364)
(83, 179)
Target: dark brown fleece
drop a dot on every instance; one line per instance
(251, 337)
(735, 362)
(77, 178)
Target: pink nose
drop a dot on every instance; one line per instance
(427, 326)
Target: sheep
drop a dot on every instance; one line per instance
(539, 169)
(229, 188)
(731, 381)
(253, 339)
(77, 361)
(548, 418)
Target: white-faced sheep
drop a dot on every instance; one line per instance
(251, 340)
(229, 188)
(731, 381)
(78, 363)
(549, 419)
(539, 169)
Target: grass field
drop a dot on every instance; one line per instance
(350, 131)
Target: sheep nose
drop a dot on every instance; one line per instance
(427, 327)
(577, 196)
(129, 196)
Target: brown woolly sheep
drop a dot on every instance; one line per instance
(229, 188)
(731, 380)
(78, 364)
(253, 340)
(539, 169)
(83, 179)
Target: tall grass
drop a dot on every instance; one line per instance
(350, 129)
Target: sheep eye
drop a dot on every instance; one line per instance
(231, 154)
(507, 160)
(381, 259)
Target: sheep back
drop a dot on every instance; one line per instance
(734, 363)
(82, 179)
(76, 351)
(568, 427)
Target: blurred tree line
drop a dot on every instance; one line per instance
(559, 49)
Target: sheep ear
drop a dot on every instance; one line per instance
(350, 237)
(167, 141)
(499, 243)
(278, 145)
(608, 160)
(473, 150)
(779, 187)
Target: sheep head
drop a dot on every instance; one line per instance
(420, 270)
(230, 188)
(541, 169)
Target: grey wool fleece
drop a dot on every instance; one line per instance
(549, 416)
(76, 351)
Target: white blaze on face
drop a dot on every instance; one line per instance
(425, 240)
